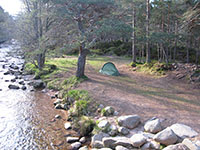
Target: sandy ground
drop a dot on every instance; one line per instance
(148, 96)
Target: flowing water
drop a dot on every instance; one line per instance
(26, 117)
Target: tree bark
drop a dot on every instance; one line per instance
(187, 50)
(148, 60)
(83, 53)
(175, 43)
(81, 62)
(133, 35)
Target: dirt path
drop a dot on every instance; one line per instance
(136, 93)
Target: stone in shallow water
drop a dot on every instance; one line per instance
(24, 88)
(15, 87)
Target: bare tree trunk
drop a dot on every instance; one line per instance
(36, 21)
(133, 35)
(148, 60)
(175, 43)
(196, 45)
(187, 50)
(81, 62)
(158, 51)
(143, 51)
(83, 53)
(40, 19)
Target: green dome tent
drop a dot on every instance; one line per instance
(109, 69)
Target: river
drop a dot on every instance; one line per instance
(27, 118)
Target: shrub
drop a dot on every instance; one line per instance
(86, 125)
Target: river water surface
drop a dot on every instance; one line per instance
(26, 117)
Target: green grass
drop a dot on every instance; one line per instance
(153, 68)
(52, 69)
(63, 63)
(78, 94)
(97, 62)
(72, 82)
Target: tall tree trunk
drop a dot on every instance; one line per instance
(175, 42)
(143, 51)
(82, 54)
(196, 46)
(187, 49)
(40, 19)
(35, 5)
(133, 34)
(158, 51)
(148, 59)
(81, 62)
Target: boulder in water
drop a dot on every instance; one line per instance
(15, 87)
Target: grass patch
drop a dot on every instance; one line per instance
(153, 68)
(54, 84)
(97, 62)
(72, 82)
(52, 69)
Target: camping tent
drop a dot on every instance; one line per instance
(109, 69)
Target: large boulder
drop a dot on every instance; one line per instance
(130, 121)
(153, 126)
(183, 131)
(176, 147)
(112, 142)
(190, 144)
(119, 147)
(166, 137)
(38, 84)
(96, 141)
(138, 140)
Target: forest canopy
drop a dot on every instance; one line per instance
(166, 30)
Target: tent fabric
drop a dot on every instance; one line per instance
(109, 69)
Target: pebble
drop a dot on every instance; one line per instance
(58, 117)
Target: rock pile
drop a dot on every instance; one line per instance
(151, 137)
(127, 132)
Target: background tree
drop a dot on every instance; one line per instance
(84, 13)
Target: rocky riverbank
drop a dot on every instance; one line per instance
(110, 131)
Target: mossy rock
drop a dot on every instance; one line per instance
(107, 111)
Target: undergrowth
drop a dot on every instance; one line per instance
(153, 68)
